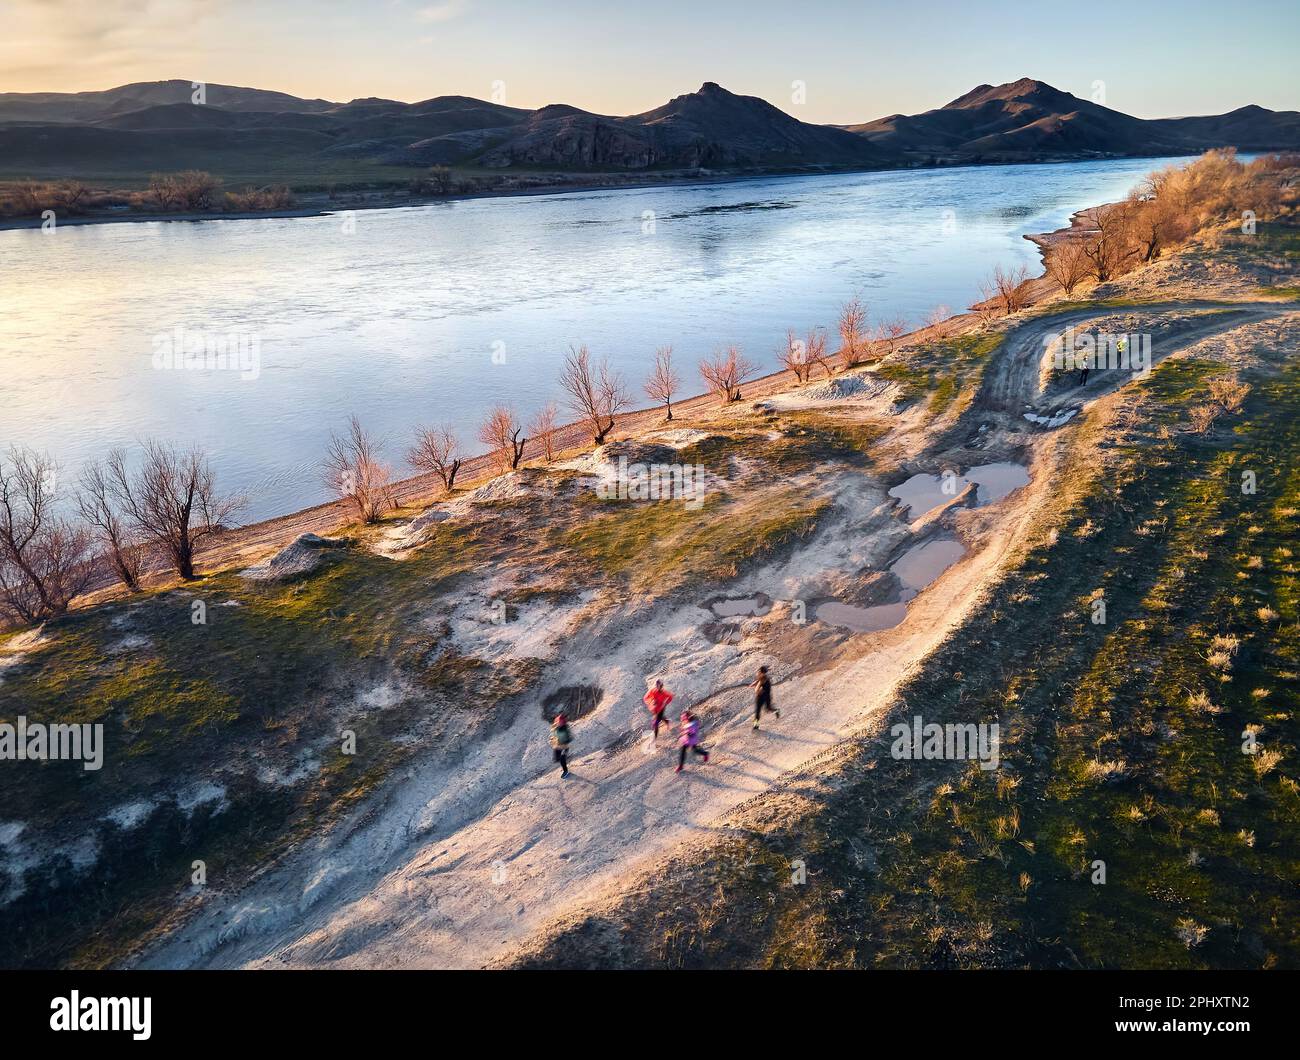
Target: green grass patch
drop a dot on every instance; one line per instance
(948, 371)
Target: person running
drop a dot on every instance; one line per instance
(763, 695)
(690, 740)
(657, 699)
(561, 737)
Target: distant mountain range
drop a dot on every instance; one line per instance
(143, 127)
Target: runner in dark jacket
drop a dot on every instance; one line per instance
(763, 695)
(561, 737)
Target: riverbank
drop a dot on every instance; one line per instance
(436, 832)
(319, 204)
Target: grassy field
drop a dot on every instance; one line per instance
(1123, 744)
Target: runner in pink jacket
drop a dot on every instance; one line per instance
(690, 739)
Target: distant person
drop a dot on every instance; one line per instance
(561, 737)
(763, 695)
(690, 740)
(657, 699)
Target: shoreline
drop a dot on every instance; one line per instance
(638, 183)
(252, 542)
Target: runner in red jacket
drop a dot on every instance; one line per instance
(657, 699)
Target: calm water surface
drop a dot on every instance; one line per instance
(432, 314)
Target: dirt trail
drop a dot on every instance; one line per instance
(1011, 383)
(481, 845)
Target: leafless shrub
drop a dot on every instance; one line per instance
(437, 452)
(815, 346)
(1230, 392)
(794, 357)
(725, 371)
(355, 471)
(543, 429)
(275, 197)
(1066, 264)
(853, 332)
(1008, 288)
(44, 558)
(664, 381)
(937, 316)
(164, 191)
(122, 542)
(192, 189)
(1202, 417)
(504, 435)
(596, 394)
(1110, 246)
(889, 332)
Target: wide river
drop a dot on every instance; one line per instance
(431, 314)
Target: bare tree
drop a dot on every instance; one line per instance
(1067, 264)
(70, 195)
(596, 395)
(543, 428)
(172, 498)
(44, 559)
(815, 345)
(1009, 286)
(196, 189)
(937, 316)
(853, 332)
(504, 434)
(356, 472)
(794, 357)
(664, 381)
(1154, 222)
(1109, 247)
(162, 186)
(725, 371)
(97, 503)
(437, 452)
(890, 331)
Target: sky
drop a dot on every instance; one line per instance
(852, 61)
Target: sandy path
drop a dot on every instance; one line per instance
(479, 847)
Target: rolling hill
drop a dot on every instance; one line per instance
(136, 129)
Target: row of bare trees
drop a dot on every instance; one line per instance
(1166, 209)
(596, 395)
(53, 546)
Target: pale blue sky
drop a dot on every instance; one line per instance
(858, 60)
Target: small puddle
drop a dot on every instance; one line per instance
(756, 606)
(923, 493)
(919, 566)
(915, 569)
(997, 480)
(862, 619)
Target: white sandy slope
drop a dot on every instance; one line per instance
(482, 843)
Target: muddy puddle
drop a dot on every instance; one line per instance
(923, 493)
(735, 607)
(915, 569)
